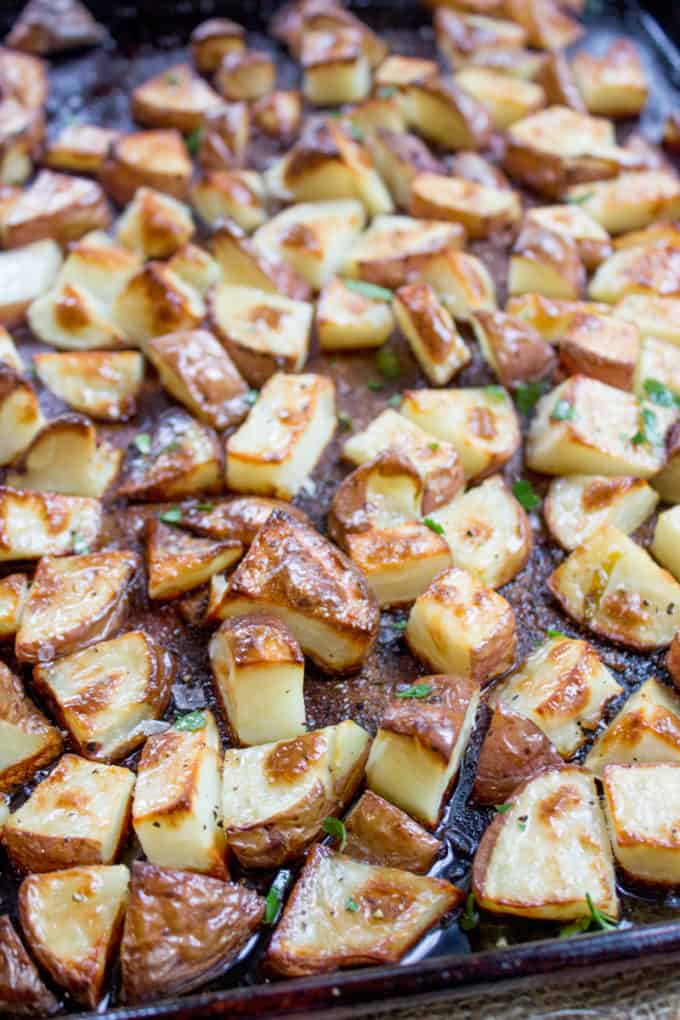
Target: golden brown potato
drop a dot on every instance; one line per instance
(556, 78)
(239, 517)
(99, 267)
(13, 595)
(155, 301)
(154, 159)
(279, 114)
(512, 348)
(578, 504)
(400, 157)
(55, 206)
(481, 210)
(667, 481)
(507, 97)
(603, 348)
(612, 84)
(547, 27)
(182, 930)
(335, 66)
(70, 317)
(20, 416)
(349, 320)
(549, 317)
(245, 75)
(653, 315)
(175, 98)
(444, 113)
(196, 267)
(67, 457)
(224, 138)
(236, 195)
(9, 355)
(592, 240)
(397, 70)
(380, 833)
(242, 265)
(41, 29)
(21, 135)
(177, 562)
(395, 250)
(25, 274)
(212, 40)
(377, 112)
(460, 35)
(431, 332)
(101, 384)
(29, 741)
(35, 524)
(332, 17)
(662, 232)
(545, 262)
(514, 749)
(631, 201)
(642, 804)
(22, 992)
(647, 729)
(23, 78)
(154, 224)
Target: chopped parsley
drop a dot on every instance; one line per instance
(434, 445)
(522, 823)
(345, 420)
(580, 199)
(497, 392)
(433, 525)
(369, 290)
(191, 722)
(649, 429)
(395, 400)
(172, 79)
(335, 828)
(374, 384)
(80, 546)
(351, 905)
(469, 919)
(143, 442)
(660, 394)
(172, 516)
(387, 91)
(415, 691)
(528, 394)
(500, 809)
(251, 397)
(205, 507)
(525, 494)
(555, 633)
(272, 905)
(595, 919)
(387, 362)
(563, 411)
(193, 140)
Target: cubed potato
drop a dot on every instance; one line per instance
(154, 224)
(196, 267)
(397, 70)
(99, 267)
(37, 31)
(509, 62)
(13, 595)
(512, 348)
(647, 729)
(236, 195)
(102, 694)
(386, 490)
(80, 148)
(395, 250)
(312, 237)
(176, 811)
(347, 319)
(420, 744)
(72, 920)
(666, 534)
(281, 441)
(577, 505)
(631, 201)
(332, 17)
(22, 992)
(584, 426)
(241, 265)
(657, 375)
(101, 384)
(175, 98)
(177, 562)
(336, 69)
(653, 315)
(431, 332)
(212, 40)
(667, 482)
(541, 856)
(441, 111)
(182, 930)
(487, 531)
(463, 283)
(380, 833)
(481, 210)
(664, 232)
(296, 574)
(592, 240)
(547, 27)
(29, 741)
(461, 626)
(276, 797)
(25, 274)
(613, 586)
(153, 159)
(245, 75)
(256, 661)
(642, 808)
(197, 371)
(514, 749)
(35, 524)
(394, 910)
(400, 157)
(481, 424)
(545, 262)
(564, 688)
(74, 601)
(279, 113)
(549, 317)
(225, 136)
(460, 35)
(156, 301)
(603, 348)
(78, 814)
(556, 78)
(69, 317)
(614, 83)
(473, 167)
(20, 416)
(22, 133)
(506, 97)
(55, 206)
(632, 271)
(399, 561)
(66, 456)
(9, 355)
(377, 113)
(184, 458)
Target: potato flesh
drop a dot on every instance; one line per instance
(629, 201)
(643, 809)
(20, 421)
(13, 595)
(346, 320)
(66, 457)
(103, 385)
(336, 82)
(578, 504)
(647, 729)
(36, 524)
(399, 562)
(666, 542)
(25, 274)
(653, 315)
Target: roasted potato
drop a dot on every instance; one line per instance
(241, 265)
(21, 135)
(400, 157)
(239, 517)
(556, 78)
(212, 40)
(461, 36)
(29, 741)
(55, 206)
(431, 332)
(101, 384)
(38, 31)
(547, 27)
(196, 267)
(236, 195)
(35, 524)
(514, 748)
(156, 301)
(175, 98)
(642, 807)
(177, 562)
(592, 240)
(101, 268)
(578, 504)
(154, 224)
(512, 348)
(613, 84)
(80, 148)
(70, 317)
(631, 201)
(658, 370)
(245, 75)
(647, 729)
(653, 315)
(666, 534)
(20, 416)
(545, 262)
(397, 71)
(633, 271)
(441, 111)
(22, 992)
(380, 833)
(335, 66)
(67, 457)
(347, 319)
(279, 113)
(13, 595)
(386, 490)
(395, 250)
(25, 274)
(507, 97)
(549, 317)
(479, 209)
(153, 159)
(603, 348)
(225, 137)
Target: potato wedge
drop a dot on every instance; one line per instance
(641, 802)
(212, 40)
(154, 159)
(512, 348)
(101, 384)
(576, 506)
(175, 98)
(380, 833)
(441, 111)
(479, 209)
(37, 31)
(99, 267)
(196, 267)
(657, 373)
(80, 148)
(397, 70)
(225, 137)
(25, 274)
(547, 26)
(545, 262)
(506, 97)
(67, 457)
(236, 195)
(55, 206)
(20, 416)
(239, 517)
(399, 561)
(177, 562)
(154, 224)
(242, 265)
(384, 491)
(35, 524)
(630, 201)
(549, 317)
(335, 67)
(603, 348)
(514, 749)
(663, 232)
(613, 84)
(556, 78)
(156, 301)
(646, 729)
(592, 240)
(666, 533)
(22, 992)
(22, 133)
(347, 319)
(633, 271)
(70, 317)
(29, 741)
(400, 157)
(279, 113)
(13, 595)
(653, 315)
(431, 332)
(245, 75)
(395, 250)
(333, 17)
(667, 482)
(460, 35)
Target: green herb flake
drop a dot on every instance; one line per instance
(143, 442)
(649, 429)
(387, 91)
(400, 625)
(374, 385)
(171, 447)
(580, 199)
(80, 546)
(500, 809)
(193, 140)
(433, 525)
(191, 722)
(345, 420)
(272, 905)
(335, 828)
(172, 79)
(387, 362)
(555, 633)
(528, 394)
(205, 507)
(469, 919)
(415, 691)
(522, 823)
(395, 400)
(369, 290)
(172, 516)
(575, 928)
(251, 397)
(355, 130)
(563, 411)
(434, 445)
(595, 920)
(351, 905)
(525, 494)
(660, 394)
(496, 392)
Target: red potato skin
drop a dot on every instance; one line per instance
(514, 749)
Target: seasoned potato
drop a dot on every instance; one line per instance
(102, 694)
(213, 39)
(397, 70)
(653, 315)
(613, 586)
(380, 833)
(642, 807)
(101, 384)
(66, 456)
(547, 27)
(462, 627)
(13, 595)
(184, 457)
(70, 317)
(175, 98)
(556, 78)
(154, 224)
(460, 35)
(241, 265)
(659, 363)
(473, 167)
(385, 490)
(514, 748)
(20, 416)
(577, 505)
(25, 274)
(441, 111)
(545, 262)
(591, 240)
(78, 814)
(666, 534)
(72, 920)
(156, 301)
(394, 910)
(347, 319)
(153, 159)
(29, 741)
(667, 482)
(603, 348)
(236, 195)
(101, 268)
(419, 745)
(245, 75)
(664, 232)
(55, 206)
(487, 531)
(336, 69)
(395, 250)
(512, 348)
(279, 113)
(506, 97)
(182, 930)
(80, 148)
(24, 78)
(196, 267)
(481, 210)
(400, 157)
(176, 810)
(38, 31)
(177, 562)
(225, 137)
(431, 332)
(549, 317)
(74, 601)
(481, 424)
(294, 573)
(196, 370)
(9, 355)
(22, 992)
(542, 855)
(239, 517)
(399, 561)
(613, 84)
(284, 436)
(586, 427)
(22, 133)
(633, 271)
(375, 114)
(35, 524)
(647, 729)
(276, 796)
(463, 283)
(630, 201)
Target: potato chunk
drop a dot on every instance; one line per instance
(154, 224)
(25, 274)
(177, 562)
(195, 267)
(481, 210)
(461, 35)
(386, 490)
(225, 137)
(400, 157)
(284, 436)
(603, 348)
(431, 332)
(397, 249)
(576, 506)
(73, 920)
(441, 111)
(79, 814)
(540, 857)
(102, 694)
(245, 75)
(550, 317)
(667, 482)
(613, 586)
(613, 84)
(506, 97)
(37, 31)
(13, 595)
(380, 833)
(239, 517)
(630, 201)
(99, 268)
(335, 66)
(182, 930)
(20, 415)
(399, 561)
(29, 741)
(419, 746)
(666, 534)
(70, 317)
(242, 265)
(395, 909)
(279, 113)
(101, 384)
(591, 239)
(548, 27)
(653, 315)
(152, 159)
(156, 301)
(512, 348)
(257, 661)
(462, 627)
(514, 748)
(22, 992)
(55, 206)
(66, 456)
(347, 319)
(176, 807)
(197, 371)
(294, 573)
(80, 148)
(647, 729)
(658, 367)
(212, 40)
(35, 524)
(74, 601)
(276, 796)
(175, 98)
(236, 195)
(545, 262)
